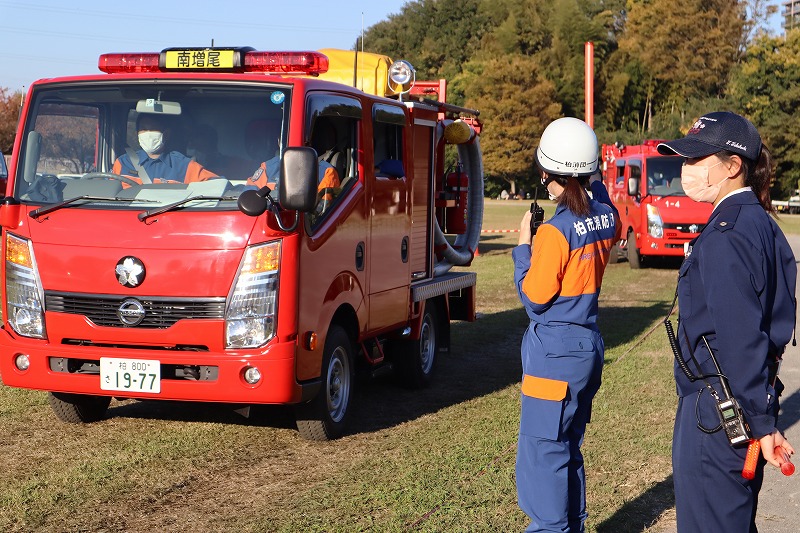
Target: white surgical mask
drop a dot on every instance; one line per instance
(151, 141)
(550, 195)
(694, 179)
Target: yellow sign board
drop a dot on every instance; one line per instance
(207, 59)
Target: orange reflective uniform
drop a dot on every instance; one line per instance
(172, 167)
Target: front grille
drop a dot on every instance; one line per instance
(683, 227)
(159, 313)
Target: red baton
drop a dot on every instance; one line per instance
(787, 467)
(751, 459)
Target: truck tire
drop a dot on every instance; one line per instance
(78, 408)
(325, 417)
(634, 257)
(613, 255)
(416, 358)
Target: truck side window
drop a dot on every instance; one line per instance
(387, 139)
(334, 139)
(620, 179)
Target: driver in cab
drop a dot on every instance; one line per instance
(153, 163)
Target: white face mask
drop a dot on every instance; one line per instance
(694, 179)
(550, 195)
(151, 141)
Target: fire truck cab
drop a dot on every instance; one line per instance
(656, 215)
(286, 234)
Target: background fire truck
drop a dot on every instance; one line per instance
(218, 290)
(657, 217)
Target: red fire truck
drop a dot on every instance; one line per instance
(222, 285)
(657, 216)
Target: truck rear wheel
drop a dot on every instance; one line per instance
(78, 408)
(634, 257)
(416, 359)
(325, 417)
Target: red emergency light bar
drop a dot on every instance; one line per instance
(312, 63)
(145, 62)
(653, 142)
(216, 60)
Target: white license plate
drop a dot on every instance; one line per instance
(136, 375)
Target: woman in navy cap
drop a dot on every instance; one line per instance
(736, 294)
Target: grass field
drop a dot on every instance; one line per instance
(441, 459)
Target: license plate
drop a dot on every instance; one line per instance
(199, 59)
(136, 375)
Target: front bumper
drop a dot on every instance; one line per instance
(185, 375)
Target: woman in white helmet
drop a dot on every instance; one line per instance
(558, 276)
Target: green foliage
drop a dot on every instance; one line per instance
(436, 36)
(659, 64)
(517, 103)
(9, 117)
(670, 52)
(765, 88)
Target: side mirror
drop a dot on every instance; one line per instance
(633, 186)
(33, 150)
(253, 202)
(297, 183)
(9, 213)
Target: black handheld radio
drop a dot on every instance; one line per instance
(538, 213)
(730, 413)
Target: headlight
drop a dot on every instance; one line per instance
(655, 226)
(23, 289)
(253, 302)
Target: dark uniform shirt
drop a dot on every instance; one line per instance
(737, 288)
(171, 167)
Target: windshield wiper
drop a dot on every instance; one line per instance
(41, 211)
(170, 207)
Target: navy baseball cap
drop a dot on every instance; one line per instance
(715, 132)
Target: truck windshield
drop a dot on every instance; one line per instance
(151, 144)
(664, 176)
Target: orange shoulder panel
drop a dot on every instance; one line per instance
(548, 262)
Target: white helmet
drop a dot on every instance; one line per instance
(568, 147)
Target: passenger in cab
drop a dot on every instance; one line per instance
(262, 142)
(324, 141)
(153, 162)
(204, 148)
(264, 137)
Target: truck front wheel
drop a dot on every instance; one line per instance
(78, 408)
(634, 257)
(325, 417)
(613, 256)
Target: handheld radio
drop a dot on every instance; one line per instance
(538, 213)
(730, 413)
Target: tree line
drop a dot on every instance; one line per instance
(659, 64)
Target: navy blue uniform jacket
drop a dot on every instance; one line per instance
(737, 287)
